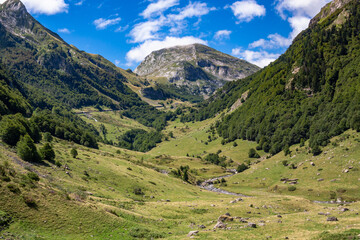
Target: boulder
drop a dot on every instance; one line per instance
(192, 233)
(332, 219)
(220, 225)
(251, 225)
(225, 218)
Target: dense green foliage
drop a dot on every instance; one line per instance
(149, 116)
(214, 158)
(12, 127)
(65, 125)
(11, 100)
(310, 92)
(47, 152)
(139, 140)
(242, 167)
(253, 153)
(26, 149)
(165, 91)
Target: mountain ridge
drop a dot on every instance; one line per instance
(201, 68)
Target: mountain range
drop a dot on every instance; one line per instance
(193, 144)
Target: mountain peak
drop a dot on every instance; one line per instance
(15, 6)
(199, 68)
(14, 16)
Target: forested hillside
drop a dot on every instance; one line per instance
(311, 92)
(38, 70)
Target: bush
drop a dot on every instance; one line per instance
(26, 149)
(291, 188)
(242, 167)
(13, 188)
(73, 152)
(316, 150)
(285, 163)
(253, 153)
(33, 176)
(30, 201)
(47, 152)
(48, 137)
(138, 191)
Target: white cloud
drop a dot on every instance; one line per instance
(176, 23)
(300, 7)
(139, 53)
(122, 28)
(196, 9)
(259, 58)
(146, 30)
(298, 23)
(117, 62)
(154, 9)
(222, 34)
(102, 23)
(48, 7)
(80, 3)
(273, 41)
(246, 10)
(64, 30)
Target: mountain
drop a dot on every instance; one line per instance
(49, 72)
(310, 92)
(199, 68)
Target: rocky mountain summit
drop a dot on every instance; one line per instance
(200, 68)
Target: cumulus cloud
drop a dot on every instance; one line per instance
(222, 34)
(300, 7)
(259, 58)
(154, 9)
(139, 53)
(48, 7)
(102, 23)
(146, 30)
(196, 9)
(247, 10)
(64, 30)
(273, 41)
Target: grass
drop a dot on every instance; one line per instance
(113, 193)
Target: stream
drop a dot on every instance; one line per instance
(208, 185)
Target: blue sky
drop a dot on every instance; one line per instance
(125, 31)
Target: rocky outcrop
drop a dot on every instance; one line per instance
(328, 10)
(200, 68)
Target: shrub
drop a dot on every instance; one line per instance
(47, 137)
(138, 191)
(73, 152)
(13, 188)
(285, 163)
(33, 176)
(47, 152)
(291, 188)
(316, 150)
(235, 144)
(26, 149)
(242, 167)
(253, 153)
(30, 201)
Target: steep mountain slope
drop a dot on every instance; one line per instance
(199, 68)
(311, 91)
(50, 71)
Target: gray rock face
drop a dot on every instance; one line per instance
(329, 9)
(200, 68)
